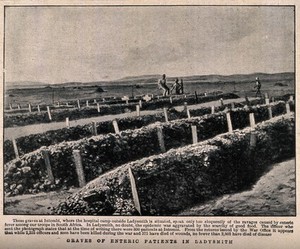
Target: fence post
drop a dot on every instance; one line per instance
(94, 128)
(15, 148)
(134, 192)
(288, 109)
(229, 124)
(67, 122)
(171, 100)
(98, 107)
(140, 103)
(252, 120)
(138, 113)
(212, 109)
(270, 112)
(78, 103)
(38, 107)
(45, 154)
(267, 100)
(79, 168)
(116, 127)
(87, 103)
(166, 114)
(29, 107)
(194, 134)
(49, 113)
(161, 141)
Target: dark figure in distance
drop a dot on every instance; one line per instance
(257, 86)
(162, 84)
(177, 86)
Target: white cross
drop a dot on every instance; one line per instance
(147, 98)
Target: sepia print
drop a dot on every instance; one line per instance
(149, 110)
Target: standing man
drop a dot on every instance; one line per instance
(176, 86)
(257, 86)
(162, 84)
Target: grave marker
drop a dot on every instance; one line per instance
(194, 134)
(79, 168)
(161, 139)
(134, 192)
(252, 120)
(15, 148)
(45, 154)
(166, 114)
(49, 113)
(116, 127)
(229, 124)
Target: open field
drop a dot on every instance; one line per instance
(274, 85)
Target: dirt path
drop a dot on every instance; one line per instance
(273, 194)
(15, 132)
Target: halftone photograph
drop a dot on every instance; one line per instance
(149, 110)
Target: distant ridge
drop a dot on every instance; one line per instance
(148, 79)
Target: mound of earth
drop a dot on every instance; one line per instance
(273, 194)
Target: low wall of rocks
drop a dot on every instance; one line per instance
(170, 182)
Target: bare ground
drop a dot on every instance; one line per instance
(272, 195)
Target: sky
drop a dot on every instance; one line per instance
(64, 44)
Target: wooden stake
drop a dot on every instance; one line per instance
(10, 107)
(38, 107)
(15, 148)
(98, 107)
(134, 192)
(171, 100)
(138, 113)
(49, 113)
(140, 103)
(194, 134)
(45, 154)
(288, 109)
(229, 124)
(221, 102)
(166, 114)
(19, 107)
(185, 106)
(267, 101)
(232, 105)
(188, 113)
(95, 101)
(78, 103)
(116, 127)
(94, 126)
(253, 140)
(270, 112)
(87, 103)
(252, 120)
(161, 140)
(67, 104)
(29, 107)
(196, 97)
(212, 110)
(79, 168)
(67, 122)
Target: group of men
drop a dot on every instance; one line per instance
(162, 84)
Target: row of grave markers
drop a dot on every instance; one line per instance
(117, 130)
(78, 159)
